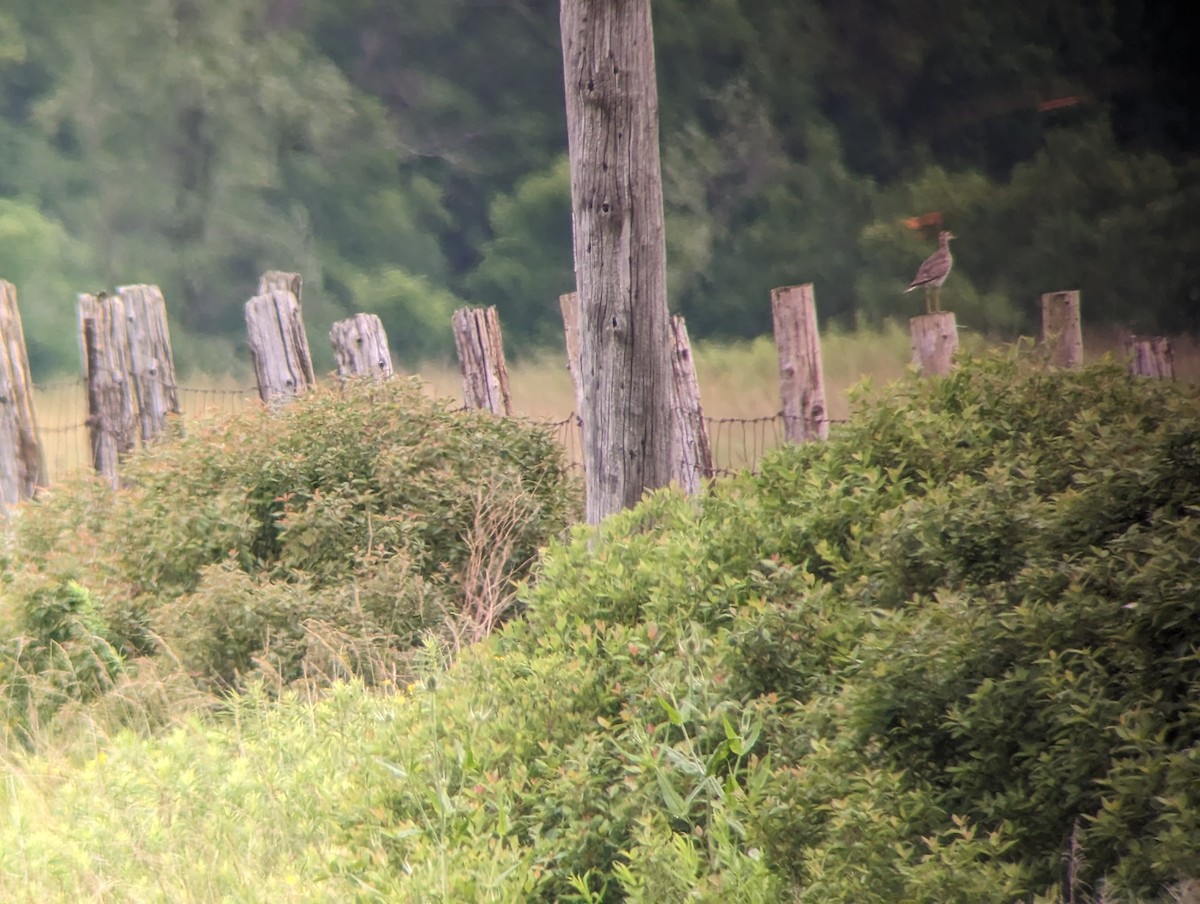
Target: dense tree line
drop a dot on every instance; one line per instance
(408, 158)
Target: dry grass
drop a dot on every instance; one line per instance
(737, 379)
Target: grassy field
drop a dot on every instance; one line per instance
(739, 382)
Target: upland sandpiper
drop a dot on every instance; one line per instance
(934, 271)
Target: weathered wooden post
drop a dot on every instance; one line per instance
(691, 452)
(619, 252)
(481, 357)
(360, 347)
(110, 418)
(283, 281)
(934, 342)
(1150, 357)
(278, 344)
(801, 377)
(22, 466)
(151, 362)
(569, 305)
(1062, 329)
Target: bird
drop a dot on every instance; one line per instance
(934, 271)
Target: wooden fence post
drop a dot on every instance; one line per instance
(934, 342)
(360, 347)
(569, 305)
(801, 377)
(281, 280)
(481, 357)
(1150, 357)
(691, 453)
(1062, 329)
(279, 345)
(151, 362)
(110, 418)
(22, 466)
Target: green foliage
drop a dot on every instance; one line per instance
(243, 807)
(527, 263)
(947, 655)
(55, 653)
(1009, 634)
(38, 256)
(315, 537)
(905, 663)
(416, 314)
(405, 163)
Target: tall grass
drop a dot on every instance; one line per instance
(246, 806)
(741, 379)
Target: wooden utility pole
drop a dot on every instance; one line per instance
(22, 467)
(620, 258)
(1150, 357)
(1062, 329)
(279, 345)
(111, 420)
(360, 347)
(691, 452)
(934, 342)
(481, 358)
(151, 361)
(801, 378)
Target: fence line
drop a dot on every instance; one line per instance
(737, 443)
(727, 444)
(64, 436)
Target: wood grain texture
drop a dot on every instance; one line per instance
(620, 258)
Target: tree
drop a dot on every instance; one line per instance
(620, 255)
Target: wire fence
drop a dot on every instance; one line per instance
(62, 419)
(737, 443)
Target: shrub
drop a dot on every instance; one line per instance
(932, 659)
(347, 520)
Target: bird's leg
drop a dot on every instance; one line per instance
(937, 298)
(928, 309)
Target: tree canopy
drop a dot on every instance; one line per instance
(407, 159)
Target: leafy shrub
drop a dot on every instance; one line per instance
(951, 648)
(1025, 598)
(344, 521)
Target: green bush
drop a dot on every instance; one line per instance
(931, 659)
(1024, 601)
(317, 537)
